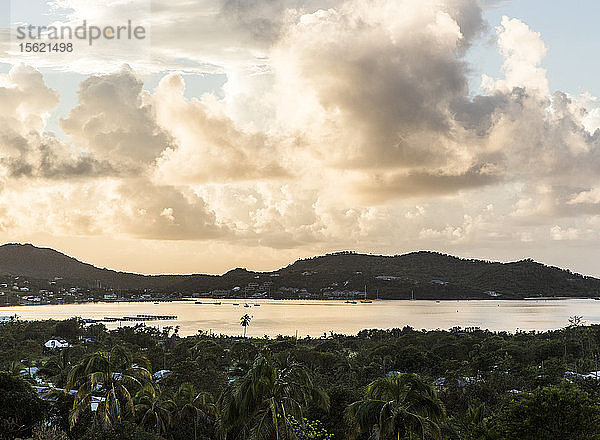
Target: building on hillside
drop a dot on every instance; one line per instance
(492, 293)
(55, 343)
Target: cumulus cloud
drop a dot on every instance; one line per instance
(114, 119)
(26, 149)
(591, 196)
(370, 92)
(523, 51)
(100, 183)
(210, 147)
(164, 212)
(343, 124)
(25, 100)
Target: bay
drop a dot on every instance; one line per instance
(314, 318)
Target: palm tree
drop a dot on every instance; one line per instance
(402, 406)
(471, 424)
(245, 322)
(111, 376)
(259, 405)
(196, 407)
(155, 409)
(58, 367)
(15, 368)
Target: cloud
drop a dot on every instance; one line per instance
(44, 156)
(209, 146)
(115, 119)
(26, 149)
(24, 99)
(559, 234)
(591, 196)
(101, 183)
(335, 117)
(523, 51)
(164, 212)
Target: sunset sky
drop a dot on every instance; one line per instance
(253, 133)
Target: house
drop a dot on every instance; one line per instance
(160, 374)
(387, 278)
(29, 371)
(95, 402)
(55, 343)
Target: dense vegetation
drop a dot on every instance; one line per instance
(399, 384)
(427, 275)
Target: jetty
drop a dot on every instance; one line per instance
(138, 318)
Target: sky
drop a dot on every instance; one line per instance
(253, 133)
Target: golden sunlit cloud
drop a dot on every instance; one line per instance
(341, 125)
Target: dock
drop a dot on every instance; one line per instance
(136, 318)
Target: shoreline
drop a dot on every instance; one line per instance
(342, 301)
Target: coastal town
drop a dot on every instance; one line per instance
(19, 290)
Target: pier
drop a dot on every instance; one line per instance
(139, 318)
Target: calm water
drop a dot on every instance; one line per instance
(316, 317)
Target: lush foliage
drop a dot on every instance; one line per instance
(397, 384)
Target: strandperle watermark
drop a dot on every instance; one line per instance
(90, 33)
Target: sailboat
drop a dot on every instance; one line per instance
(412, 295)
(365, 301)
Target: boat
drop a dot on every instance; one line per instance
(438, 301)
(256, 305)
(247, 305)
(365, 301)
(155, 304)
(198, 302)
(350, 302)
(236, 304)
(412, 295)
(217, 303)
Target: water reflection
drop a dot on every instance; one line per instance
(316, 317)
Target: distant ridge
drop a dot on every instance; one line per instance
(429, 275)
(45, 263)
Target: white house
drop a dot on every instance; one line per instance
(55, 343)
(95, 402)
(161, 374)
(492, 293)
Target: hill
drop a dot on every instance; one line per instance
(44, 263)
(426, 275)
